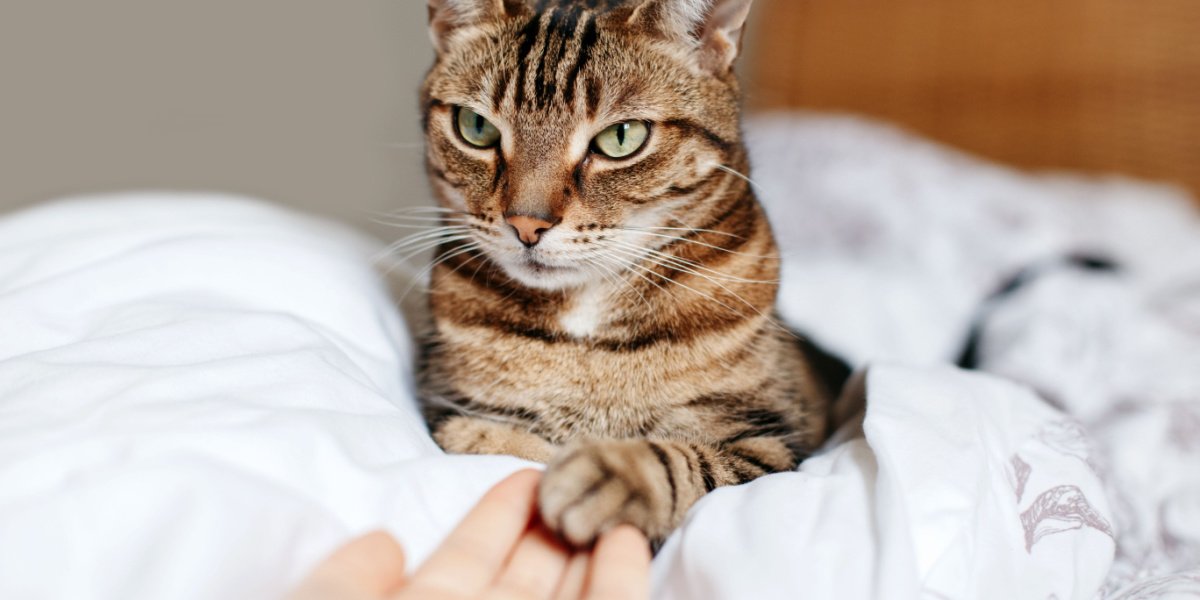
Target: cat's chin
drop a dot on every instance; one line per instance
(538, 275)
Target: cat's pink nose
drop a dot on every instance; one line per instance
(529, 229)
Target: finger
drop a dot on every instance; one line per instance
(575, 579)
(369, 567)
(471, 557)
(536, 567)
(620, 567)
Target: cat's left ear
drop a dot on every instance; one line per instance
(721, 37)
(449, 16)
(712, 27)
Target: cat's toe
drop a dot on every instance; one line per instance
(589, 492)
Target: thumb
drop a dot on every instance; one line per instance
(368, 568)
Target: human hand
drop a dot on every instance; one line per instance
(498, 552)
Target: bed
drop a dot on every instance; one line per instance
(204, 395)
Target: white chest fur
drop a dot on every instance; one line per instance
(586, 313)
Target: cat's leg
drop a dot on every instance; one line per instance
(470, 435)
(648, 484)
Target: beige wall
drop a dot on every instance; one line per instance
(311, 103)
(292, 100)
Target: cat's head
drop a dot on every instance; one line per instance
(576, 136)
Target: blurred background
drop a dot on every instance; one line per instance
(313, 103)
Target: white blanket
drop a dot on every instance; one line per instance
(202, 396)
(895, 242)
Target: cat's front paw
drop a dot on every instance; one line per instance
(595, 487)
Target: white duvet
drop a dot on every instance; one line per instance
(202, 396)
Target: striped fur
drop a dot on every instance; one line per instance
(634, 348)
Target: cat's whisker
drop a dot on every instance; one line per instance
(625, 266)
(614, 278)
(743, 177)
(674, 218)
(594, 268)
(421, 226)
(685, 226)
(430, 245)
(403, 265)
(429, 222)
(387, 220)
(689, 241)
(687, 229)
(760, 313)
(427, 219)
(682, 264)
(702, 294)
(482, 264)
(639, 258)
(420, 277)
(431, 232)
(425, 215)
(692, 267)
(397, 258)
(469, 248)
(402, 252)
(769, 317)
(466, 249)
(421, 210)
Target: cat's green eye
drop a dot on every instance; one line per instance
(475, 129)
(623, 139)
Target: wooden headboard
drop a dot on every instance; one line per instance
(1100, 85)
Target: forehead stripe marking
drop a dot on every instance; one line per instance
(500, 90)
(567, 28)
(557, 30)
(591, 87)
(590, 34)
(529, 36)
(539, 78)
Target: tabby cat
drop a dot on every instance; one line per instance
(604, 287)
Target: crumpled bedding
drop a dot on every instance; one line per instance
(202, 396)
(956, 485)
(905, 244)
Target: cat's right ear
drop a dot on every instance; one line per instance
(446, 17)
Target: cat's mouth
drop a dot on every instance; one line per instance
(540, 267)
(536, 272)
